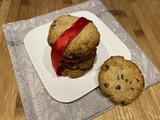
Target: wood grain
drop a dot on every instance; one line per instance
(140, 18)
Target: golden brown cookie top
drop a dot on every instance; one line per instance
(121, 80)
(82, 45)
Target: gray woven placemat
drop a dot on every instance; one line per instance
(37, 103)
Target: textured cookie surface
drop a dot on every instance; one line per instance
(121, 80)
(79, 65)
(82, 45)
(74, 73)
(79, 58)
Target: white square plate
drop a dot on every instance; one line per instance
(65, 89)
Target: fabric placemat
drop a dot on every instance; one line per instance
(37, 103)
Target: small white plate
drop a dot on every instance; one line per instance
(65, 89)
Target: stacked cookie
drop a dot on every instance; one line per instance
(79, 55)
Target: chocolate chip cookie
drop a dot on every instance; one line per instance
(121, 80)
(82, 45)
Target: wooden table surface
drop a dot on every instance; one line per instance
(140, 18)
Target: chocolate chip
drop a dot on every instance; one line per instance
(122, 102)
(126, 80)
(53, 25)
(122, 76)
(118, 87)
(137, 80)
(106, 67)
(106, 85)
(132, 88)
(130, 82)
